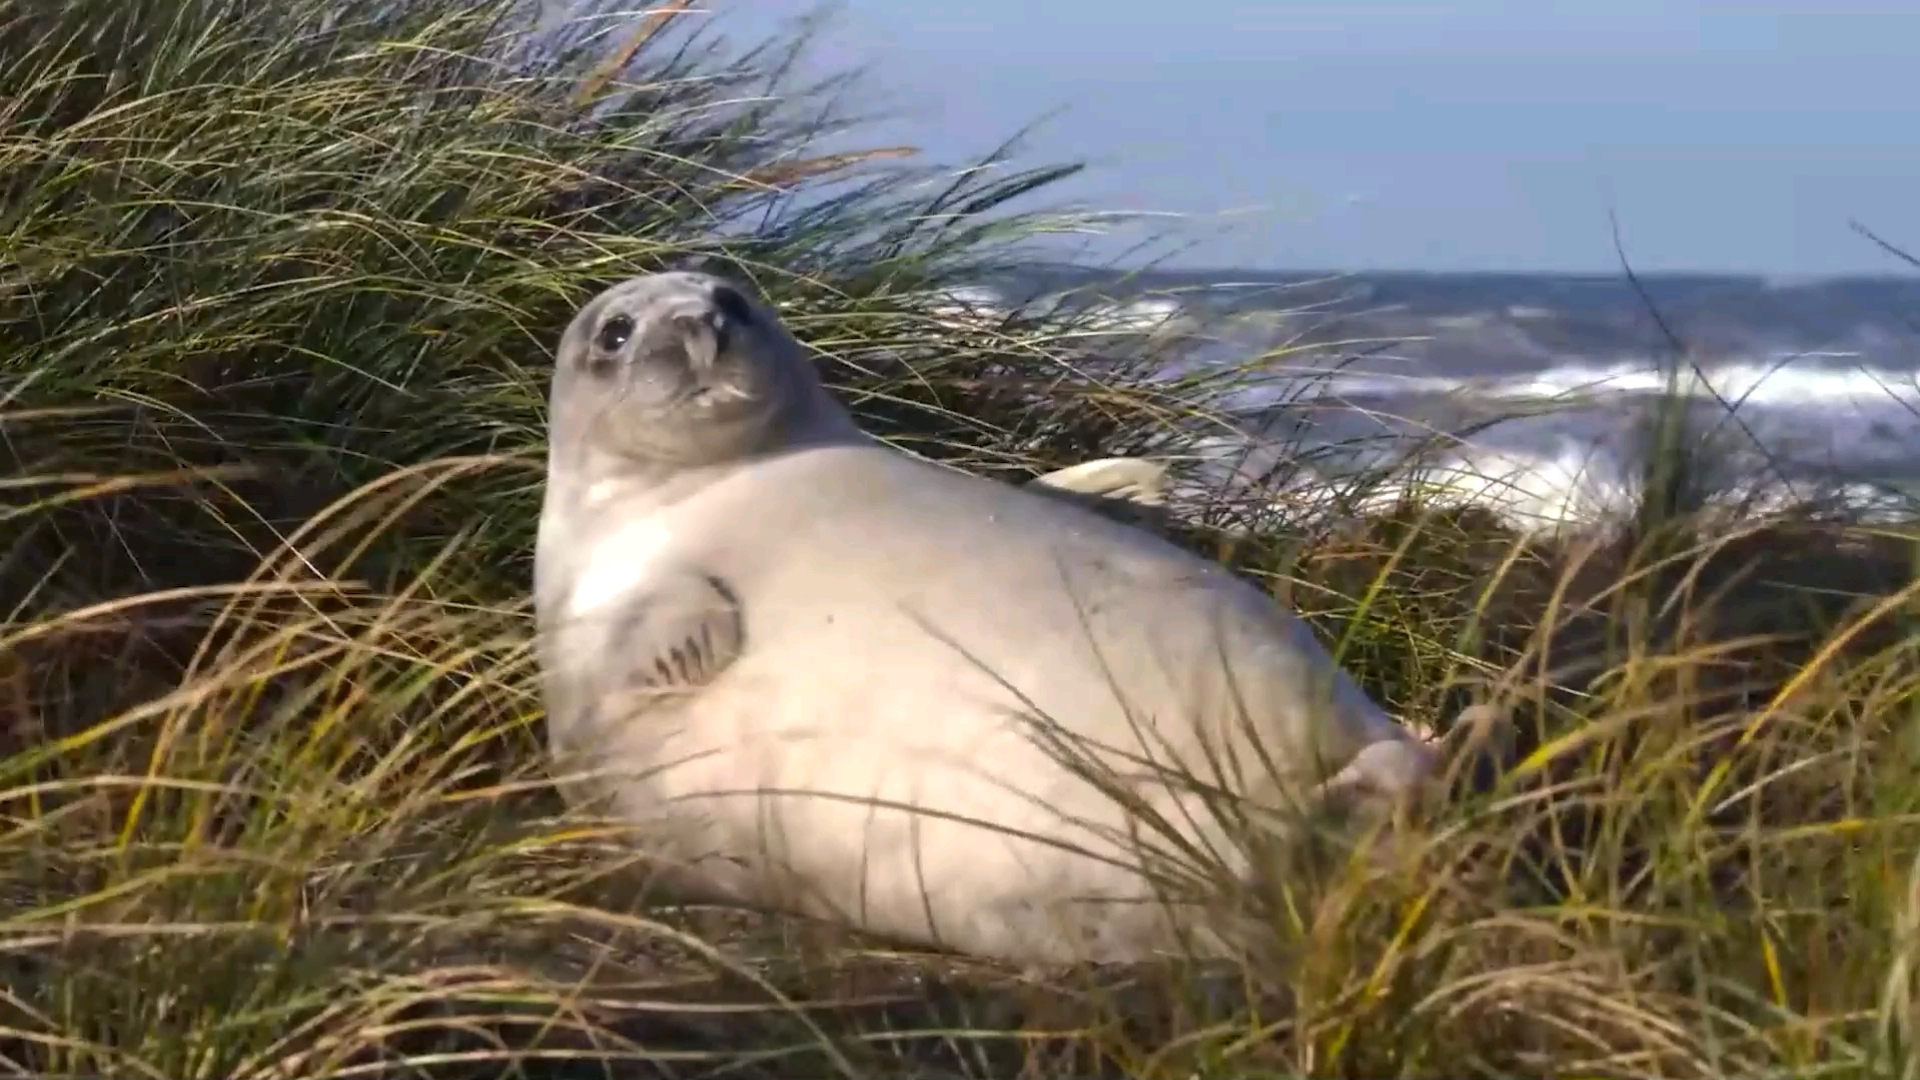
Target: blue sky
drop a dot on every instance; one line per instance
(1469, 135)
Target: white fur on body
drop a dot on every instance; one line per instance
(852, 563)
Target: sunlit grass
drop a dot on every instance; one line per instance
(313, 837)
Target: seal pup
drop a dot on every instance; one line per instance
(827, 677)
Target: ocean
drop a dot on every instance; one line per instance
(1529, 393)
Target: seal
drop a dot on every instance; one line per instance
(824, 676)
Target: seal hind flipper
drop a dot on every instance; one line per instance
(1116, 479)
(680, 634)
(1383, 773)
(1130, 490)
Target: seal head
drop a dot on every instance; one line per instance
(679, 370)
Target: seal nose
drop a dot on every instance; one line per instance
(700, 333)
(703, 338)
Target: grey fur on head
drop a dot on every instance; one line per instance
(679, 369)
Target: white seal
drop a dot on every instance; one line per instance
(826, 677)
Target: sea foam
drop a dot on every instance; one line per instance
(1830, 421)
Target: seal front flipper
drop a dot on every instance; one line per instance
(624, 677)
(678, 633)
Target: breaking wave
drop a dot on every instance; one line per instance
(1570, 459)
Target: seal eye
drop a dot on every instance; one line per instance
(614, 334)
(732, 306)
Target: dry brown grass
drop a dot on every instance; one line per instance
(306, 832)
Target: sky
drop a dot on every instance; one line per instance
(1471, 135)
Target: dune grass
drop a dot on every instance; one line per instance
(277, 289)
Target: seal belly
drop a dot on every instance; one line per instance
(980, 588)
(897, 656)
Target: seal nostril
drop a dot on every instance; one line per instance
(731, 305)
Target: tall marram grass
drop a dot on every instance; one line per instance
(277, 288)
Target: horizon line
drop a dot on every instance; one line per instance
(1620, 276)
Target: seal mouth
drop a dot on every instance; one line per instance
(711, 395)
